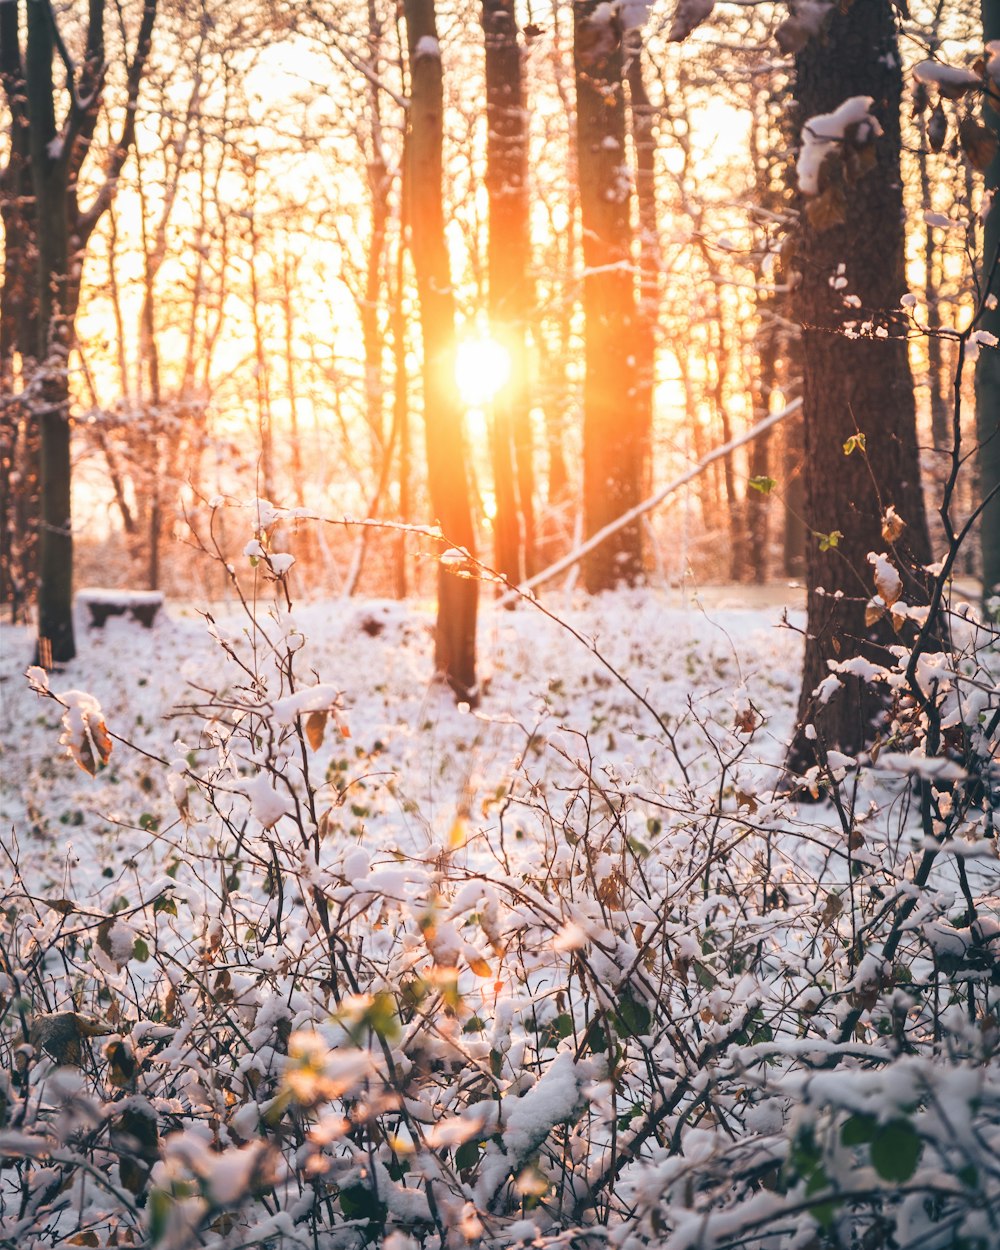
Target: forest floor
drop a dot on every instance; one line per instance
(414, 760)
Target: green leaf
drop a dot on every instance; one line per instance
(166, 905)
(896, 1151)
(359, 1203)
(633, 1017)
(140, 950)
(763, 484)
(826, 541)
(467, 1155)
(159, 1206)
(855, 443)
(858, 1130)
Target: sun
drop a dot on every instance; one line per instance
(482, 368)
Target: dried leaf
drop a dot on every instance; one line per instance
(834, 906)
(937, 129)
(892, 525)
(888, 583)
(828, 209)
(85, 734)
(743, 799)
(979, 143)
(59, 1033)
(875, 609)
(122, 1065)
(479, 966)
(315, 727)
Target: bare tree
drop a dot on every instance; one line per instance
(61, 131)
(614, 427)
(447, 476)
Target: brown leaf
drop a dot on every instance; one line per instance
(828, 209)
(122, 1065)
(59, 1033)
(834, 906)
(979, 143)
(937, 129)
(874, 611)
(315, 727)
(892, 525)
(746, 800)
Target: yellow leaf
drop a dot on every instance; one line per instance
(479, 966)
(458, 834)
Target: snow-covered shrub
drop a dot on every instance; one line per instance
(676, 1006)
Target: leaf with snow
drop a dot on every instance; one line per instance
(950, 80)
(85, 735)
(804, 21)
(266, 804)
(38, 679)
(687, 15)
(888, 583)
(826, 132)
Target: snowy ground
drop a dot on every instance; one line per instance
(414, 760)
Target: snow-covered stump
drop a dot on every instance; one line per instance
(139, 605)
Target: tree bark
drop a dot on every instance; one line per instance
(854, 384)
(447, 475)
(509, 288)
(988, 364)
(613, 429)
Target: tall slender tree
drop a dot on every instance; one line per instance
(614, 431)
(988, 364)
(509, 286)
(857, 378)
(447, 476)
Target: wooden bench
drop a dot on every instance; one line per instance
(138, 605)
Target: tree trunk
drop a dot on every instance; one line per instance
(613, 438)
(642, 117)
(56, 643)
(853, 385)
(509, 287)
(18, 337)
(447, 477)
(988, 364)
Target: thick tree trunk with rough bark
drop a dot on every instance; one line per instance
(509, 287)
(447, 476)
(988, 364)
(854, 384)
(613, 439)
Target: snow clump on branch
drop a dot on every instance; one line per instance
(822, 133)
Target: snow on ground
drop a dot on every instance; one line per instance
(415, 762)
